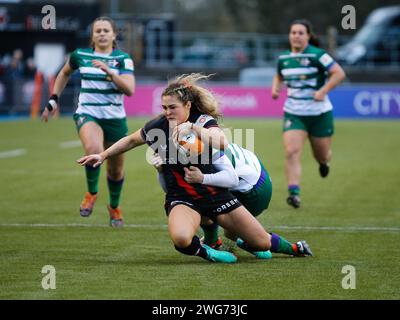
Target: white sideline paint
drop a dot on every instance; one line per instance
(164, 226)
(70, 144)
(12, 153)
(352, 229)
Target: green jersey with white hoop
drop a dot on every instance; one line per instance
(247, 166)
(99, 96)
(305, 73)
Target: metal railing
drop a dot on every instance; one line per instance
(238, 50)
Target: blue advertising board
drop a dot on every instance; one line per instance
(366, 102)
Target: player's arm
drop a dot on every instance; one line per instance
(212, 136)
(226, 177)
(59, 85)
(336, 76)
(157, 163)
(124, 82)
(127, 143)
(277, 82)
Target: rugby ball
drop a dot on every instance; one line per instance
(190, 144)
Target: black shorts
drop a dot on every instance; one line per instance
(211, 207)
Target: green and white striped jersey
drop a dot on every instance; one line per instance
(247, 166)
(304, 73)
(99, 96)
(245, 162)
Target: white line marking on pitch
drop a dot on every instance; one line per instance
(70, 144)
(308, 228)
(163, 226)
(12, 153)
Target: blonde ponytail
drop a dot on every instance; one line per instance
(185, 88)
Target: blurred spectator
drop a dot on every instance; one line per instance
(30, 68)
(15, 69)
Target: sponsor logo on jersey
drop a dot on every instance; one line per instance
(176, 202)
(203, 119)
(226, 205)
(325, 60)
(128, 64)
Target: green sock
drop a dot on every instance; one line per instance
(281, 245)
(92, 178)
(294, 190)
(114, 189)
(210, 233)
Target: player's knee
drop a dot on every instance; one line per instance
(92, 148)
(190, 247)
(323, 158)
(115, 173)
(293, 152)
(181, 240)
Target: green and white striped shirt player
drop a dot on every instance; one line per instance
(99, 96)
(247, 166)
(245, 162)
(305, 73)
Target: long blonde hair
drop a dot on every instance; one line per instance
(185, 88)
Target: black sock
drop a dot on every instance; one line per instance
(193, 249)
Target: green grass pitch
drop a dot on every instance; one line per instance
(350, 218)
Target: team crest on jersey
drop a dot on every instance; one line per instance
(113, 63)
(288, 123)
(80, 120)
(305, 62)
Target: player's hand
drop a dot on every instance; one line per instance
(319, 95)
(156, 161)
(193, 175)
(93, 159)
(275, 94)
(181, 130)
(45, 115)
(50, 108)
(101, 65)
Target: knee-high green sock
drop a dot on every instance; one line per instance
(210, 233)
(92, 178)
(114, 189)
(281, 245)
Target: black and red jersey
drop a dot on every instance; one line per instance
(158, 136)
